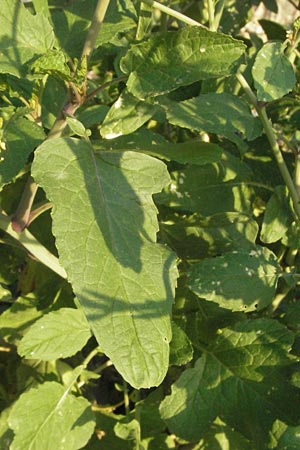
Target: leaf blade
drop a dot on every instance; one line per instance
(123, 279)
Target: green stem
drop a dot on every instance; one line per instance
(171, 12)
(267, 125)
(32, 245)
(211, 14)
(90, 356)
(21, 217)
(297, 174)
(104, 86)
(219, 8)
(126, 399)
(96, 24)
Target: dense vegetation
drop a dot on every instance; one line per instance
(150, 225)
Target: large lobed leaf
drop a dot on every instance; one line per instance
(234, 379)
(105, 224)
(22, 36)
(166, 61)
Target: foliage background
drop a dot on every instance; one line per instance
(150, 187)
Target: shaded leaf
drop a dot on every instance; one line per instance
(104, 214)
(20, 136)
(22, 37)
(241, 280)
(59, 334)
(277, 217)
(222, 113)
(16, 319)
(235, 380)
(181, 349)
(166, 61)
(272, 72)
(57, 420)
(210, 189)
(197, 237)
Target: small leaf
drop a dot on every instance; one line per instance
(77, 127)
(277, 217)
(59, 334)
(223, 114)
(235, 380)
(178, 58)
(127, 430)
(125, 116)
(49, 417)
(272, 72)
(181, 349)
(241, 280)
(53, 62)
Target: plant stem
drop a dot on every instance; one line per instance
(32, 245)
(171, 12)
(219, 8)
(97, 21)
(261, 111)
(297, 174)
(21, 217)
(104, 86)
(211, 14)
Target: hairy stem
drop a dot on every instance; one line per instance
(171, 12)
(267, 125)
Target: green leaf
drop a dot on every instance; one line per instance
(277, 217)
(181, 349)
(197, 237)
(77, 127)
(23, 36)
(189, 152)
(235, 380)
(169, 60)
(210, 189)
(59, 334)
(272, 72)
(20, 136)
(125, 116)
(49, 417)
(222, 113)
(16, 319)
(104, 214)
(221, 436)
(54, 62)
(241, 280)
(127, 430)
